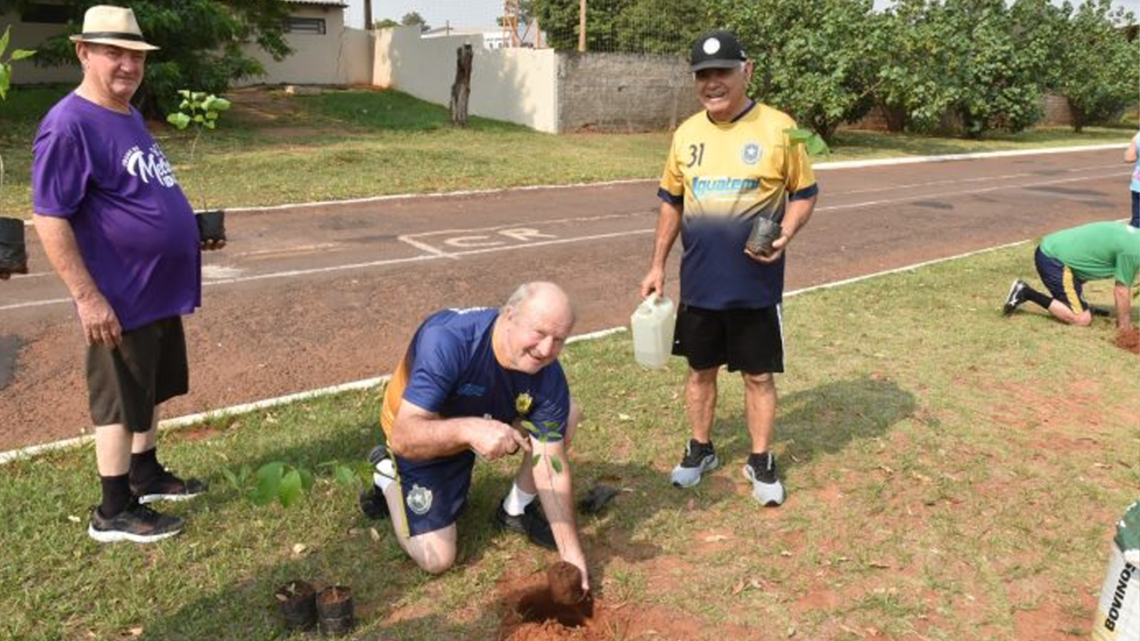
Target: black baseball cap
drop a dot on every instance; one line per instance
(717, 50)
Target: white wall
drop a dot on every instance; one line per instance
(339, 57)
(516, 85)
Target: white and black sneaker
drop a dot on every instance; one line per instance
(698, 459)
(138, 523)
(766, 486)
(1015, 297)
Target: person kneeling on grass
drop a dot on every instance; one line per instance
(1069, 258)
(468, 381)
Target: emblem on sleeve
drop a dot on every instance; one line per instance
(419, 500)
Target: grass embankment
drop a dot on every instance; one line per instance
(952, 474)
(273, 149)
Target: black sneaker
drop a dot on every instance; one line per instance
(372, 501)
(532, 522)
(373, 504)
(1015, 297)
(168, 487)
(698, 459)
(137, 523)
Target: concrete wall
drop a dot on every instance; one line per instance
(342, 56)
(623, 92)
(516, 85)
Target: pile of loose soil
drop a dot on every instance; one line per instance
(1129, 339)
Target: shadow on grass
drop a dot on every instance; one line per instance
(826, 418)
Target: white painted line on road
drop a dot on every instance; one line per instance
(440, 194)
(957, 181)
(11, 455)
(980, 190)
(909, 160)
(823, 166)
(424, 246)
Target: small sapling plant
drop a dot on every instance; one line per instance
(201, 111)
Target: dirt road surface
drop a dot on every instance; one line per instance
(313, 296)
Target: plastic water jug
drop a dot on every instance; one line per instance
(652, 325)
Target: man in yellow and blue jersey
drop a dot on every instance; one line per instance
(469, 380)
(728, 166)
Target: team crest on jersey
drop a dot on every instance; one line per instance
(419, 500)
(750, 154)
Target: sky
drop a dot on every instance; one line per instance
(482, 13)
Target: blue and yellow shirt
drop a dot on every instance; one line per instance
(724, 175)
(451, 368)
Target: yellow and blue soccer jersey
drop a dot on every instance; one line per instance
(724, 175)
(451, 368)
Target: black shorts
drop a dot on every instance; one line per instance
(749, 340)
(126, 383)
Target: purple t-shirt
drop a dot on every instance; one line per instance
(103, 171)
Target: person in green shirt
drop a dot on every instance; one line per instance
(1069, 258)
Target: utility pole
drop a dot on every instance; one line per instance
(368, 15)
(582, 26)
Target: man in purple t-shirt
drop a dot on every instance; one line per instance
(122, 236)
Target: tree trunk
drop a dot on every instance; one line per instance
(461, 90)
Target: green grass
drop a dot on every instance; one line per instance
(353, 144)
(950, 471)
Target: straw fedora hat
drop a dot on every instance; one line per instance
(116, 26)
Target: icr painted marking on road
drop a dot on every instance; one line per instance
(436, 254)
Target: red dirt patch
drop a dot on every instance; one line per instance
(1128, 339)
(530, 614)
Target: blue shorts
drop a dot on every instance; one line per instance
(434, 490)
(1062, 283)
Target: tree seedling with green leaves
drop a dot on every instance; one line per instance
(201, 111)
(813, 142)
(287, 484)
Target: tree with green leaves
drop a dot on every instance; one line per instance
(200, 43)
(810, 56)
(559, 19)
(413, 18)
(913, 49)
(1099, 65)
(661, 26)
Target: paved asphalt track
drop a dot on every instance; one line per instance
(312, 296)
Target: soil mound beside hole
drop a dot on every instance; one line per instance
(1129, 339)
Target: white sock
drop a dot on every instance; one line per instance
(517, 500)
(384, 475)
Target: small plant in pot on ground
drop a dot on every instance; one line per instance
(297, 601)
(201, 111)
(13, 253)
